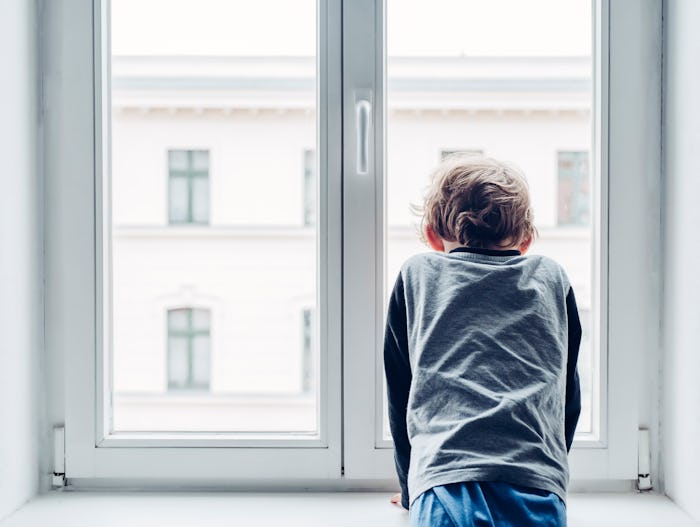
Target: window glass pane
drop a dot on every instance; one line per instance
(464, 77)
(200, 320)
(179, 320)
(308, 359)
(179, 200)
(309, 187)
(200, 200)
(178, 160)
(212, 108)
(200, 361)
(457, 151)
(200, 160)
(178, 362)
(574, 189)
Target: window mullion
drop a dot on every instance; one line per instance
(190, 186)
(363, 77)
(190, 352)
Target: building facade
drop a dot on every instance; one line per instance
(214, 195)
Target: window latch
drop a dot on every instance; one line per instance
(363, 122)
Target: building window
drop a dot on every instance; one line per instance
(574, 189)
(188, 200)
(307, 379)
(189, 342)
(309, 187)
(445, 152)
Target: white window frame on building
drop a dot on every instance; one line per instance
(444, 152)
(308, 350)
(350, 446)
(188, 176)
(196, 327)
(577, 176)
(309, 187)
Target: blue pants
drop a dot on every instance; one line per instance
(487, 504)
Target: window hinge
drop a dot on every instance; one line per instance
(643, 461)
(59, 457)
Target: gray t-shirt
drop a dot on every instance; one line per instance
(480, 357)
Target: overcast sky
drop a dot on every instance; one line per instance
(415, 27)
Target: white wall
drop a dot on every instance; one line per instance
(246, 153)
(680, 420)
(253, 266)
(20, 255)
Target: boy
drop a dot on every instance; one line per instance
(480, 354)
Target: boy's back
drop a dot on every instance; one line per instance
(487, 343)
(480, 355)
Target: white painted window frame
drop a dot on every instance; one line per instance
(77, 88)
(626, 151)
(626, 154)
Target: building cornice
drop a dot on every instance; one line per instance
(458, 84)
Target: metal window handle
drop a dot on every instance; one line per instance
(363, 118)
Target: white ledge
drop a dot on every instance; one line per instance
(180, 509)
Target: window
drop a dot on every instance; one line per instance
(248, 379)
(319, 88)
(574, 189)
(308, 355)
(189, 186)
(189, 343)
(309, 187)
(450, 151)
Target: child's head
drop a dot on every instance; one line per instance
(478, 202)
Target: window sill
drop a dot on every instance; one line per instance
(308, 510)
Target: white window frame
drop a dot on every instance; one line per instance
(190, 190)
(306, 155)
(190, 357)
(626, 84)
(310, 355)
(78, 268)
(626, 150)
(558, 154)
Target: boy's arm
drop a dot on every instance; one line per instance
(398, 381)
(572, 409)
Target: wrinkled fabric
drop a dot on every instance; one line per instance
(487, 341)
(487, 504)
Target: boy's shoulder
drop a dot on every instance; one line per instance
(545, 262)
(430, 257)
(420, 260)
(546, 271)
(529, 263)
(541, 260)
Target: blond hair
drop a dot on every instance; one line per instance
(478, 202)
